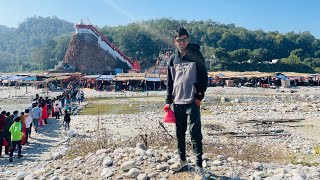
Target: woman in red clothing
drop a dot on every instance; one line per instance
(44, 113)
(23, 126)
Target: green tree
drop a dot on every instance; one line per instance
(298, 52)
(312, 62)
(239, 55)
(6, 62)
(229, 41)
(221, 54)
(207, 51)
(260, 55)
(61, 47)
(317, 54)
(292, 59)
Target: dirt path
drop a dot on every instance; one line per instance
(40, 144)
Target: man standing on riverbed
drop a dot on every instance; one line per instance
(186, 84)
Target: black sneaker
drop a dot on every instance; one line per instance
(20, 156)
(10, 160)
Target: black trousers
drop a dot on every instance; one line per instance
(57, 115)
(13, 148)
(189, 115)
(7, 136)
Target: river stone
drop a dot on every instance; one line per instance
(133, 173)
(162, 167)
(142, 177)
(21, 175)
(29, 177)
(139, 152)
(39, 171)
(101, 151)
(127, 165)
(71, 133)
(277, 177)
(107, 161)
(217, 163)
(107, 172)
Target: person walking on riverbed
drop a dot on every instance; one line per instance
(66, 120)
(36, 113)
(7, 134)
(16, 136)
(27, 123)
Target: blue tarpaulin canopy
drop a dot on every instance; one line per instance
(15, 78)
(3, 77)
(221, 75)
(281, 76)
(118, 70)
(105, 77)
(152, 79)
(30, 79)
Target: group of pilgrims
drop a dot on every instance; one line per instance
(16, 128)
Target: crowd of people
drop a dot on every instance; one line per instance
(16, 129)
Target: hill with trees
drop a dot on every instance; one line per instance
(39, 43)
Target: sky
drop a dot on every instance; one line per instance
(268, 15)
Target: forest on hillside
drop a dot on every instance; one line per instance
(39, 43)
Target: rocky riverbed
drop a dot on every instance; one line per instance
(249, 133)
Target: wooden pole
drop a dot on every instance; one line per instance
(15, 89)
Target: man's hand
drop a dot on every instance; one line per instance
(198, 102)
(166, 107)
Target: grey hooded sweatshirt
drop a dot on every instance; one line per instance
(187, 76)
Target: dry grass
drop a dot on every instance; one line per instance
(250, 152)
(102, 139)
(304, 159)
(82, 145)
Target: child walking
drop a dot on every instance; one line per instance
(57, 111)
(16, 136)
(66, 120)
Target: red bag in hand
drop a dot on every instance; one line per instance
(169, 116)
